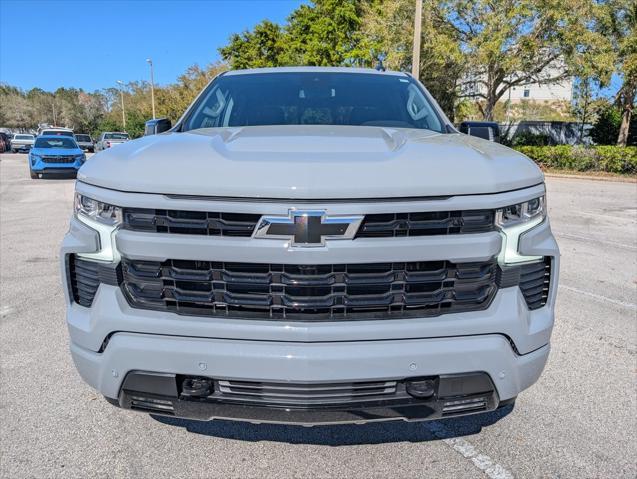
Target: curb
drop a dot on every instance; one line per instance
(611, 179)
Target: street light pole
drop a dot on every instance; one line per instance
(152, 86)
(121, 92)
(415, 65)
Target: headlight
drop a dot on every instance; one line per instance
(515, 220)
(529, 211)
(98, 211)
(81, 157)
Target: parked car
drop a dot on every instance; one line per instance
(310, 245)
(55, 154)
(487, 130)
(55, 131)
(108, 139)
(5, 142)
(21, 142)
(85, 142)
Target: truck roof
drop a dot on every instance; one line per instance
(250, 71)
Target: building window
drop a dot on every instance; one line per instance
(527, 93)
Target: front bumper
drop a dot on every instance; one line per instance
(297, 362)
(507, 341)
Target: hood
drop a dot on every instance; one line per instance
(311, 162)
(56, 151)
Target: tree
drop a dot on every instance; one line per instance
(262, 47)
(618, 22)
(387, 27)
(323, 33)
(517, 42)
(583, 104)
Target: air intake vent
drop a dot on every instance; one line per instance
(148, 404)
(464, 405)
(85, 277)
(306, 394)
(535, 280)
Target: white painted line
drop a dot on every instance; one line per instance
(483, 462)
(603, 216)
(589, 239)
(599, 297)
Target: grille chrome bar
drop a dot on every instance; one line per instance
(305, 393)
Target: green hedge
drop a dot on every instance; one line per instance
(613, 159)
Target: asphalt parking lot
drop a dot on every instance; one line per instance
(579, 420)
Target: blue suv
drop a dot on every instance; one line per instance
(55, 154)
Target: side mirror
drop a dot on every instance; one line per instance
(159, 125)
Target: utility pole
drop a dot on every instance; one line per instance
(415, 65)
(152, 85)
(121, 92)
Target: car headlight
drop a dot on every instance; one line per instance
(526, 212)
(81, 157)
(514, 220)
(96, 210)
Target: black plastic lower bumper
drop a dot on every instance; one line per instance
(454, 395)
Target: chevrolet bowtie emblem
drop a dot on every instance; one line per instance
(307, 228)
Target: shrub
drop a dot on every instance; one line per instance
(528, 138)
(612, 159)
(606, 128)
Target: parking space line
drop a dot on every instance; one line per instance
(599, 297)
(467, 450)
(595, 240)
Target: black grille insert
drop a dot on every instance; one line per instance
(426, 224)
(310, 292)
(373, 226)
(58, 159)
(190, 222)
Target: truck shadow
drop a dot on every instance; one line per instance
(341, 435)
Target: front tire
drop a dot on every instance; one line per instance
(34, 175)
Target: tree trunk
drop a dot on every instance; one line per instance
(627, 101)
(489, 105)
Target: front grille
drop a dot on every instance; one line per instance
(535, 282)
(190, 222)
(291, 394)
(426, 224)
(373, 226)
(58, 159)
(309, 292)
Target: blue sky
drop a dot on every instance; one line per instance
(92, 44)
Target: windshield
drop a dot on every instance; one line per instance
(116, 136)
(57, 133)
(84, 138)
(24, 137)
(61, 142)
(314, 98)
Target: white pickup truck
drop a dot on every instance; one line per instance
(21, 142)
(310, 246)
(108, 139)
